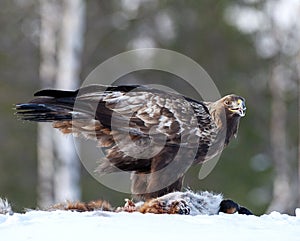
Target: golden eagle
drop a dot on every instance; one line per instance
(152, 133)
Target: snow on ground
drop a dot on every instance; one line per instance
(98, 225)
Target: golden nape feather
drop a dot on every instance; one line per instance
(143, 130)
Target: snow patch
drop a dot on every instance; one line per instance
(98, 225)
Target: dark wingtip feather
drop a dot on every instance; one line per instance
(30, 106)
(40, 112)
(56, 93)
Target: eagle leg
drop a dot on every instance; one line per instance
(163, 178)
(156, 179)
(139, 182)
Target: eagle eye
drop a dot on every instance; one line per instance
(227, 102)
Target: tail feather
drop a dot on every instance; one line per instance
(43, 112)
(58, 106)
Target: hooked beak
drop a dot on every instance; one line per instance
(239, 108)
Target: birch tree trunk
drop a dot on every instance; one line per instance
(48, 36)
(69, 60)
(61, 42)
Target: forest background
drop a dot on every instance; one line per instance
(248, 47)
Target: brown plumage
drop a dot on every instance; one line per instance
(156, 135)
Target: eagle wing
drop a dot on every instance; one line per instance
(142, 130)
(133, 123)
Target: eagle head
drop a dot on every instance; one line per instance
(235, 105)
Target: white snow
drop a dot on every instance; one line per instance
(98, 225)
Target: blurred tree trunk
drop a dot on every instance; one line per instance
(61, 42)
(282, 185)
(49, 28)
